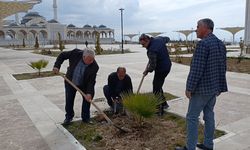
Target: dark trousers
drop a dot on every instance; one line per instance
(70, 93)
(107, 94)
(158, 81)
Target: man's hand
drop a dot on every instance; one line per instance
(188, 94)
(145, 72)
(88, 97)
(55, 70)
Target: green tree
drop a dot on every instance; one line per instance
(24, 43)
(39, 65)
(36, 43)
(98, 48)
(61, 46)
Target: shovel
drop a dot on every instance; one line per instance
(138, 90)
(99, 110)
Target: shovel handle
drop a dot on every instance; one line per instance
(139, 87)
(84, 95)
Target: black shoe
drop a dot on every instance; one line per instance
(87, 121)
(181, 148)
(166, 106)
(202, 146)
(67, 121)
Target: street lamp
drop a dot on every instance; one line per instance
(121, 9)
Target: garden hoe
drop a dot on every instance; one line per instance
(122, 129)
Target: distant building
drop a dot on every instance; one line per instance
(34, 25)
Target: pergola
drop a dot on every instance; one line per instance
(232, 30)
(185, 32)
(130, 36)
(8, 8)
(154, 34)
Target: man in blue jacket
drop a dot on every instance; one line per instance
(118, 82)
(82, 72)
(206, 80)
(159, 62)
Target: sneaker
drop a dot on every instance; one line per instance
(87, 122)
(203, 147)
(67, 121)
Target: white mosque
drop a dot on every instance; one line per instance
(33, 25)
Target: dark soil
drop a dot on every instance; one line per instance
(157, 133)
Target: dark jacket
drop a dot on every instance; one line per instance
(89, 79)
(113, 81)
(157, 53)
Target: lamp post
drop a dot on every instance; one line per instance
(121, 9)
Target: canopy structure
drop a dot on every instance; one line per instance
(232, 30)
(185, 32)
(130, 36)
(8, 8)
(154, 34)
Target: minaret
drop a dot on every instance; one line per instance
(17, 17)
(55, 10)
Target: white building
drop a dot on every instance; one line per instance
(34, 25)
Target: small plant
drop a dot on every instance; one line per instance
(36, 44)
(178, 58)
(24, 43)
(61, 46)
(98, 48)
(140, 105)
(39, 65)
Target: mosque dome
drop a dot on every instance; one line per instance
(102, 26)
(71, 26)
(53, 21)
(87, 26)
(34, 25)
(32, 15)
(13, 25)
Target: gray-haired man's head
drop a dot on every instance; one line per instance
(88, 56)
(208, 23)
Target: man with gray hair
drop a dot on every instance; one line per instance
(206, 81)
(82, 72)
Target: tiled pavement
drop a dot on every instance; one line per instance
(31, 111)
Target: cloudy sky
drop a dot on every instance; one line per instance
(142, 16)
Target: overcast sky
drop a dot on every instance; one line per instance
(142, 16)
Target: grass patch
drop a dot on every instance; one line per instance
(55, 53)
(26, 76)
(232, 65)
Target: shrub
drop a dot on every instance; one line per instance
(39, 65)
(140, 105)
(61, 46)
(24, 43)
(36, 44)
(98, 49)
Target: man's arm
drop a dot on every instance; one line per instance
(151, 63)
(197, 67)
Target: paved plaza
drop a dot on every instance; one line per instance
(31, 111)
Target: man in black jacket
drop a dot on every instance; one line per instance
(118, 82)
(82, 72)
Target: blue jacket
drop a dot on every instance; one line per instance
(208, 67)
(157, 53)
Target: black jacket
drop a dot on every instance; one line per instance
(89, 79)
(113, 81)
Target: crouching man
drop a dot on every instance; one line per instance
(118, 82)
